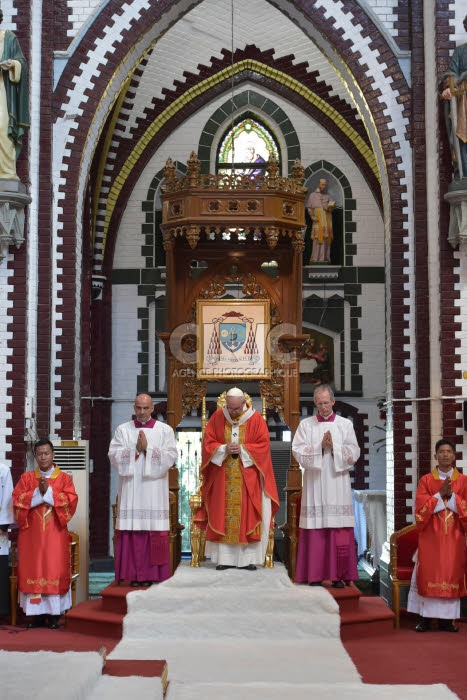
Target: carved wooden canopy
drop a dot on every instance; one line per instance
(233, 208)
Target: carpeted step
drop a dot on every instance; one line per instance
(247, 625)
(89, 618)
(45, 674)
(154, 669)
(115, 688)
(372, 617)
(227, 660)
(347, 598)
(231, 600)
(114, 597)
(304, 691)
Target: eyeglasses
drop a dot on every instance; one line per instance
(324, 403)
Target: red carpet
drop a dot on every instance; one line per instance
(22, 639)
(403, 656)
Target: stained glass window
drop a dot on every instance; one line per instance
(246, 148)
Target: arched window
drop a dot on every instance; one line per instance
(245, 148)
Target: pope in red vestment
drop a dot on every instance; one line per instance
(239, 493)
(44, 502)
(441, 516)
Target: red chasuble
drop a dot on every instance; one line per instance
(43, 539)
(212, 514)
(442, 538)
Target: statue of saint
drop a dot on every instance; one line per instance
(320, 206)
(454, 92)
(14, 112)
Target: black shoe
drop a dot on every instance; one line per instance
(136, 584)
(315, 583)
(146, 584)
(423, 625)
(447, 626)
(250, 567)
(36, 621)
(54, 622)
(223, 567)
(338, 584)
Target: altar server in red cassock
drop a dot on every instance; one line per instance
(238, 489)
(439, 578)
(44, 502)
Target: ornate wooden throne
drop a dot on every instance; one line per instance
(235, 236)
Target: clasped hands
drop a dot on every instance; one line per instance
(142, 443)
(446, 489)
(233, 448)
(326, 442)
(6, 65)
(43, 485)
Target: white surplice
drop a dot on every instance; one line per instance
(6, 491)
(327, 493)
(143, 485)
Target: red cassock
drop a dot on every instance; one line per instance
(442, 539)
(211, 515)
(43, 539)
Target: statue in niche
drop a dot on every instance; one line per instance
(454, 93)
(320, 207)
(315, 362)
(14, 111)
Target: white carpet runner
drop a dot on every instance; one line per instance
(230, 635)
(243, 634)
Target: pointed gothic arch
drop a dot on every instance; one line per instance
(387, 180)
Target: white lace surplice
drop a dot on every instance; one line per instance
(327, 493)
(143, 488)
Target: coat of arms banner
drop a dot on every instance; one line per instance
(232, 336)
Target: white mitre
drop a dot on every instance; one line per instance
(235, 392)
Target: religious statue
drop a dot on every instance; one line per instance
(454, 93)
(14, 112)
(320, 207)
(321, 373)
(315, 365)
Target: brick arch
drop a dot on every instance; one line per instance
(204, 151)
(108, 74)
(334, 35)
(153, 13)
